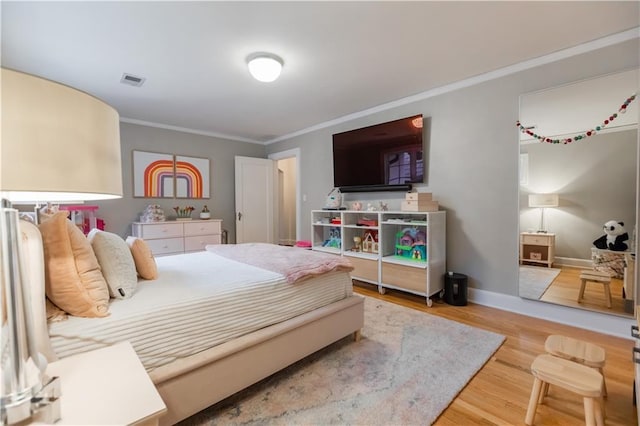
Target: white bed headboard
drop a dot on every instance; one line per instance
(34, 290)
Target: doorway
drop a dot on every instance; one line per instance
(289, 200)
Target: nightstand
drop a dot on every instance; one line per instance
(537, 248)
(106, 386)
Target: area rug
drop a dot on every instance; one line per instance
(534, 281)
(406, 370)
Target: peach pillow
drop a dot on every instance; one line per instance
(143, 258)
(73, 280)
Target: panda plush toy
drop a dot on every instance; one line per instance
(615, 237)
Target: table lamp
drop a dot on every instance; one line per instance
(57, 144)
(543, 201)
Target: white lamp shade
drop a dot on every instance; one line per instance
(58, 143)
(265, 68)
(543, 200)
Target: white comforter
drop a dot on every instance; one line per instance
(199, 300)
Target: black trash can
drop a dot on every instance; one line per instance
(455, 289)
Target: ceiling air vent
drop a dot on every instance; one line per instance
(132, 80)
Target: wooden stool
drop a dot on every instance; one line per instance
(578, 351)
(586, 382)
(597, 277)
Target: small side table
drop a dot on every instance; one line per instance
(537, 248)
(106, 386)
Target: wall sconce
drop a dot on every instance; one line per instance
(543, 201)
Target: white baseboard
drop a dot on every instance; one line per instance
(593, 321)
(569, 261)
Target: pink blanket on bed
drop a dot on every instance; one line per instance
(294, 263)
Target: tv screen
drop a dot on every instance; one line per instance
(384, 154)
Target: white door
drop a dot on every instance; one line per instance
(255, 195)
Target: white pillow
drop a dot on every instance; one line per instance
(116, 262)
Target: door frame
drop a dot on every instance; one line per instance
(290, 153)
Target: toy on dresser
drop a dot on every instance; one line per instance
(153, 213)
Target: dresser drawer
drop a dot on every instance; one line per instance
(198, 243)
(161, 230)
(202, 228)
(538, 240)
(166, 245)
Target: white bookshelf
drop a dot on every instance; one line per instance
(333, 232)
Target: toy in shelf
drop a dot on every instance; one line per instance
(334, 240)
(370, 241)
(357, 244)
(367, 222)
(411, 244)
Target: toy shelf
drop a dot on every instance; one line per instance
(415, 263)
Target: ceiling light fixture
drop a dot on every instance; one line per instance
(265, 67)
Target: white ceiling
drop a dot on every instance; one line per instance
(341, 58)
(581, 106)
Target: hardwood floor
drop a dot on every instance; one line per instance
(499, 393)
(565, 288)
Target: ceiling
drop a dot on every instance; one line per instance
(341, 58)
(578, 107)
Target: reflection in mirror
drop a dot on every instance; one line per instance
(568, 191)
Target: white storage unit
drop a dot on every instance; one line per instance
(416, 268)
(172, 237)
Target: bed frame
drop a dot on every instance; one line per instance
(192, 384)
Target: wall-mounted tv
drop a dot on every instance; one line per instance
(383, 157)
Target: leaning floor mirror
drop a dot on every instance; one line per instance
(578, 172)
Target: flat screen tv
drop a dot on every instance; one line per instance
(383, 157)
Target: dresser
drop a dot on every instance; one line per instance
(174, 237)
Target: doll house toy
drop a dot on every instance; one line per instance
(411, 244)
(370, 242)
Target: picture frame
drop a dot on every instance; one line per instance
(153, 175)
(192, 177)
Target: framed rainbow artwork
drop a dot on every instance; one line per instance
(157, 175)
(192, 177)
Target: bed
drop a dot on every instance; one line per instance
(206, 357)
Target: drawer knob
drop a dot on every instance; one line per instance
(634, 332)
(634, 355)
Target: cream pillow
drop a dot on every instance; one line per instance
(116, 261)
(73, 280)
(143, 258)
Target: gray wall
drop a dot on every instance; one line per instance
(119, 214)
(595, 180)
(472, 163)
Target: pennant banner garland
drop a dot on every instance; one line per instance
(584, 134)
